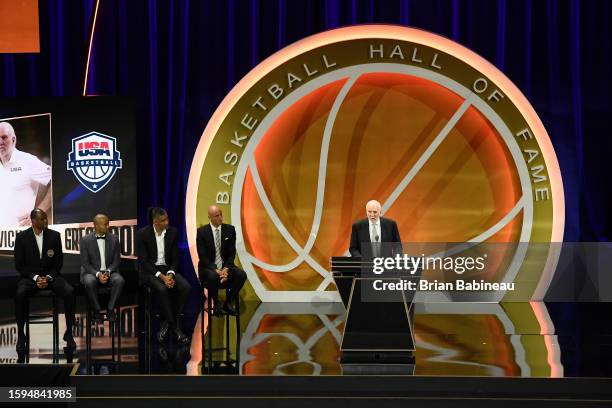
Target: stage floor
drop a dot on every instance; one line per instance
(452, 339)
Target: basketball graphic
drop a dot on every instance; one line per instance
(447, 144)
(309, 336)
(489, 339)
(94, 172)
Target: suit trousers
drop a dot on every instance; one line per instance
(59, 286)
(235, 280)
(171, 301)
(91, 283)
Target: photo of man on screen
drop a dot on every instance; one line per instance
(25, 181)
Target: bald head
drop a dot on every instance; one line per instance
(101, 224)
(7, 140)
(373, 208)
(215, 215)
(100, 218)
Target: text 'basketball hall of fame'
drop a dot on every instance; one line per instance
(94, 160)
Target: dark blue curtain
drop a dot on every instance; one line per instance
(178, 59)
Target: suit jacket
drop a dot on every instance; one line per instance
(388, 234)
(27, 257)
(146, 248)
(206, 247)
(90, 254)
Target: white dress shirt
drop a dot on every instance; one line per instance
(39, 244)
(102, 248)
(218, 259)
(161, 254)
(374, 231)
(39, 241)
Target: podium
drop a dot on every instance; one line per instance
(378, 336)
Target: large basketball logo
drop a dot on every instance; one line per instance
(94, 160)
(443, 139)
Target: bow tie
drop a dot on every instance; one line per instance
(101, 237)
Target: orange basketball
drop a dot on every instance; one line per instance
(383, 126)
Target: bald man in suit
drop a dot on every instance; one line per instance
(100, 260)
(216, 243)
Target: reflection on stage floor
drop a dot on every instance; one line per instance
(452, 339)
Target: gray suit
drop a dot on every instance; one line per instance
(91, 265)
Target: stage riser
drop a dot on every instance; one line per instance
(345, 386)
(302, 402)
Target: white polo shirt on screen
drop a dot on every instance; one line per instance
(20, 179)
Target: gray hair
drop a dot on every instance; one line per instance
(375, 203)
(8, 128)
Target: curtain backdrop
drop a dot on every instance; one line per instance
(178, 59)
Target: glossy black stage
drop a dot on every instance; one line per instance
(452, 339)
(467, 355)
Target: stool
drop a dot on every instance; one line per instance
(149, 316)
(147, 328)
(44, 293)
(115, 331)
(207, 352)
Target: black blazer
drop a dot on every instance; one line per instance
(27, 257)
(361, 234)
(206, 247)
(146, 248)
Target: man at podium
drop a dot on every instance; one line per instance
(374, 230)
(377, 335)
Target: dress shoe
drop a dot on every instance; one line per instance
(180, 337)
(217, 311)
(70, 343)
(21, 344)
(162, 334)
(112, 316)
(227, 308)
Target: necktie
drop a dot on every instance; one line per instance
(101, 237)
(376, 244)
(218, 260)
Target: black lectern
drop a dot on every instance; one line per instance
(377, 336)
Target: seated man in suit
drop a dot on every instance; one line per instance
(157, 246)
(38, 259)
(100, 261)
(216, 244)
(373, 231)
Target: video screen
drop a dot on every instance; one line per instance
(73, 158)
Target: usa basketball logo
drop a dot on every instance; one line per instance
(94, 160)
